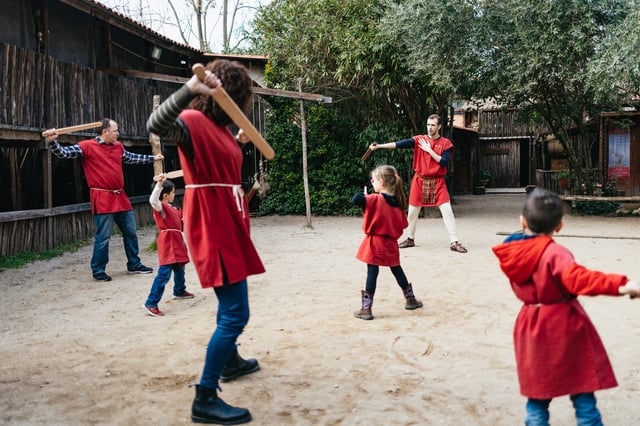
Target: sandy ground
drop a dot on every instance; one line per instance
(75, 351)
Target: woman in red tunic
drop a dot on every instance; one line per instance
(216, 221)
(558, 351)
(383, 222)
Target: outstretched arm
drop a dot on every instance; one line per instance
(51, 139)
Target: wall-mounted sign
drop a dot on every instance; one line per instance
(619, 153)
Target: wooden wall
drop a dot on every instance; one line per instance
(40, 92)
(43, 229)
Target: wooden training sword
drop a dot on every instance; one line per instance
(79, 127)
(237, 116)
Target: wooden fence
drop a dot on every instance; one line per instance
(43, 229)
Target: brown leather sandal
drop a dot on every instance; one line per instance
(456, 246)
(407, 243)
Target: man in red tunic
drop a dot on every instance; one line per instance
(558, 351)
(102, 159)
(216, 222)
(431, 156)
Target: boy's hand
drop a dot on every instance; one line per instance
(632, 288)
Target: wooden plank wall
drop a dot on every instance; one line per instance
(40, 92)
(29, 230)
(500, 123)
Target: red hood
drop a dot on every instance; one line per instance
(519, 258)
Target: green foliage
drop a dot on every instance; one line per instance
(19, 260)
(335, 173)
(595, 208)
(536, 58)
(615, 64)
(388, 64)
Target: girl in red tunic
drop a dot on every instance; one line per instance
(384, 219)
(558, 351)
(172, 252)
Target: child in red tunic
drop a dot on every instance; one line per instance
(172, 251)
(558, 351)
(384, 219)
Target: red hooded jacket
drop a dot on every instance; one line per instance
(558, 350)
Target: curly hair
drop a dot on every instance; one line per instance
(236, 82)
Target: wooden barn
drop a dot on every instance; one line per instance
(491, 145)
(68, 62)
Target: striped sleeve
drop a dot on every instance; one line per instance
(164, 121)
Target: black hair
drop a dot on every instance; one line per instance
(543, 211)
(167, 187)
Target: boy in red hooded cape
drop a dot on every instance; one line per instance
(558, 350)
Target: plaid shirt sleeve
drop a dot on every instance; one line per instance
(72, 151)
(133, 158)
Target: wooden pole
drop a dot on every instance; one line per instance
(154, 140)
(305, 174)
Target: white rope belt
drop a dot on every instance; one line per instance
(115, 191)
(238, 193)
(170, 229)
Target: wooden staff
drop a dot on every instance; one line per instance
(366, 154)
(174, 174)
(237, 116)
(77, 128)
(154, 140)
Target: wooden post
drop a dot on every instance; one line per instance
(305, 174)
(154, 140)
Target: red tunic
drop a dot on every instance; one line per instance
(217, 232)
(171, 247)
(102, 164)
(558, 350)
(383, 224)
(425, 166)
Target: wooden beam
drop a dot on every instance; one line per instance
(290, 94)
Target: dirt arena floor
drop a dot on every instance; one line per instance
(78, 352)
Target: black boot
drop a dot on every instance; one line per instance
(237, 366)
(208, 408)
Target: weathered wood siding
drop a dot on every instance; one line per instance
(40, 92)
(43, 229)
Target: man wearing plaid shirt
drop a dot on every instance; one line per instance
(102, 159)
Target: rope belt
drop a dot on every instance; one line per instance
(115, 191)
(238, 193)
(170, 229)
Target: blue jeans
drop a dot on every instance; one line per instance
(587, 414)
(232, 316)
(164, 274)
(126, 222)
